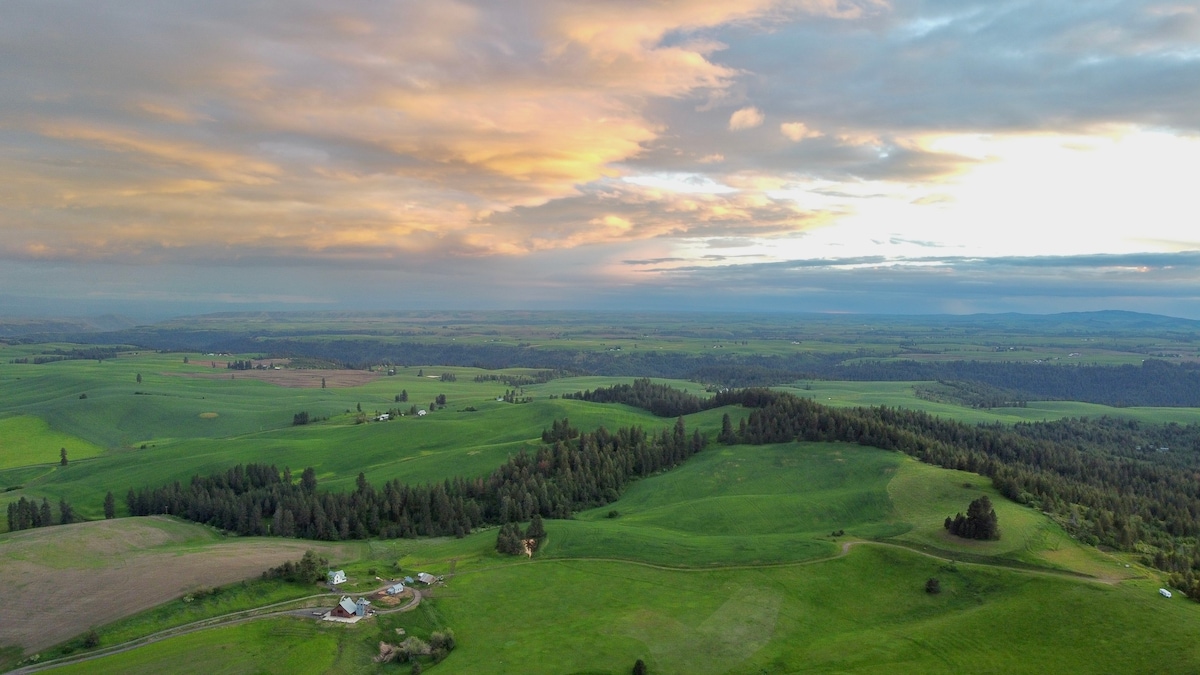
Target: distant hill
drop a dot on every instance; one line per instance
(42, 326)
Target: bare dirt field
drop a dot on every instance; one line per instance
(72, 577)
(285, 377)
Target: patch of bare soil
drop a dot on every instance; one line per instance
(59, 581)
(284, 377)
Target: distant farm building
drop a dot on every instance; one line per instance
(421, 413)
(1164, 592)
(408, 580)
(337, 576)
(426, 578)
(395, 590)
(384, 417)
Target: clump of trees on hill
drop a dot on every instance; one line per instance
(660, 399)
(590, 469)
(979, 523)
(308, 570)
(25, 514)
(512, 541)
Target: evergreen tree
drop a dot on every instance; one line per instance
(110, 506)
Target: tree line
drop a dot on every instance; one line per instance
(25, 514)
(582, 470)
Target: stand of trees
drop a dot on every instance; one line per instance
(582, 471)
(25, 514)
(979, 523)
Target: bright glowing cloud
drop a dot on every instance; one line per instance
(798, 131)
(746, 118)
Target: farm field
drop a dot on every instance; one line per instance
(901, 395)
(90, 574)
(597, 603)
(792, 557)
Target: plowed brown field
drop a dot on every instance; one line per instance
(56, 582)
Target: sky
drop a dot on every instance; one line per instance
(162, 158)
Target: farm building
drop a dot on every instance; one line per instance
(360, 607)
(408, 580)
(384, 417)
(426, 578)
(421, 413)
(395, 590)
(1164, 592)
(336, 576)
(345, 608)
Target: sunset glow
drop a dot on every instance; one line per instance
(601, 154)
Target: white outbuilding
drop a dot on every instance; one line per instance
(1164, 592)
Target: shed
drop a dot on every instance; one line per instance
(1164, 592)
(408, 580)
(336, 576)
(395, 590)
(421, 413)
(426, 578)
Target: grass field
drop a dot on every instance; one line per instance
(27, 440)
(281, 646)
(866, 612)
(726, 565)
(900, 395)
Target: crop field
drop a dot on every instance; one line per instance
(89, 574)
(169, 427)
(901, 395)
(27, 440)
(794, 557)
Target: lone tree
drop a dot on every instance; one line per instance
(110, 506)
(639, 667)
(933, 586)
(62, 456)
(139, 378)
(979, 523)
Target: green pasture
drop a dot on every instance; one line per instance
(28, 440)
(866, 612)
(900, 395)
(726, 565)
(444, 444)
(282, 646)
(741, 505)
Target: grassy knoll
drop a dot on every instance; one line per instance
(739, 505)
(866, 612)
(27, 440)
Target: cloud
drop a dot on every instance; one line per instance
(798, 131)
(412, 135)
(745, 118)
